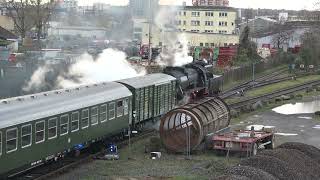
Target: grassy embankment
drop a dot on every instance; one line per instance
(201, 166)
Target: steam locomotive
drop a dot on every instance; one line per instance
(42, 128)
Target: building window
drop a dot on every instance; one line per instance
(94, 116)
(225, 44)
(160, 43)
(232, 24)
(223, 14)
(212, 44)
(194, 30)
(74, 122)
(184, 23)
(209, 14)
(195, 14)
(0, 143)
(103, 113)
(137, 29)
(26, 136)
(64, 125)
(12, 142)
(195, 23)
(184, 13)
(209, 23)
(111, 111)
(126, 107)
(206, 44)
(223, 23)
(39, 132)
(201, 44)
(119, 108)
(85, 118)
(52, 128)
(179, 13)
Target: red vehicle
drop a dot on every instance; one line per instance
(248, 141)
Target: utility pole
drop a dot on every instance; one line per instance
(150, 30)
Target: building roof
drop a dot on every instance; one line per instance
(260, 18)
(25, 109)
(147, 80)
(5, 34)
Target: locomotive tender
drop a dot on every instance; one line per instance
(38, 128)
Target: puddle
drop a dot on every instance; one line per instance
(259, 127)
(305, 117)
(316, 127)
(299, 108)
(286, 134)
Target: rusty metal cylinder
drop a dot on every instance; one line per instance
(186, 127)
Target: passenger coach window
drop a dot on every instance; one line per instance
(64, 125)
(126, 107)
(52, 128)
(85, 118)
(26, 132)
(75, 122)
(94, 116)
(103, 113)
(12, 142)
(39, 132)
(111, 111)
(119, 108)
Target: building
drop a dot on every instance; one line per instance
(200, 25)
(206, 19)
(210, 2)
(67, 5)
(143, 8)
(259, 25)
(81, 31)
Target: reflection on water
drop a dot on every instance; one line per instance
(299, 108)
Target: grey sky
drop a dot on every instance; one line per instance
(273, 4)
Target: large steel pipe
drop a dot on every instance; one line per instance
(185, 127)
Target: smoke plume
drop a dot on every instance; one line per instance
(175, 43)
(110, 65)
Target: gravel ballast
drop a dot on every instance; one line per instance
(308, 150)
(297, 160)
(274, 166)
(250, 172)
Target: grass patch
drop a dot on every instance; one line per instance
(282, 85)
(172, 166)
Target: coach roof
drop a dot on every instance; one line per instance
(23, 109)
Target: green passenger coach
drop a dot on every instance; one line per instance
(35, 129)
(153, 94)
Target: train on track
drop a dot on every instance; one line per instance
(41, 128)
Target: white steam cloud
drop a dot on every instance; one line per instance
(111, 65)
(175, 49)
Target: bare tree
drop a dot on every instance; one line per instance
(282, 34)
(19, 11)
(42, 12)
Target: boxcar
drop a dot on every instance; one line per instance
(37, 128)
(153, 94)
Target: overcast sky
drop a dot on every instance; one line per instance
(273, 4)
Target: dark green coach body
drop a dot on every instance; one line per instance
(153, 94)
(36, 128)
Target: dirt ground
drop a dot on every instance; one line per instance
(304, 128)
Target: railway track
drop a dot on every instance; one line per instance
(253, 85)
(263, 80)
(286, 91)
(57, 168)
